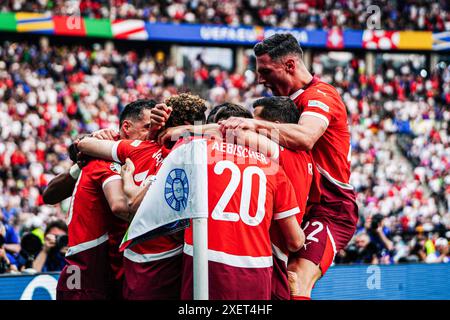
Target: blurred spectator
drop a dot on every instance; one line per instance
(31, 245)
(5, 264)
(440, 253)
(10, 239)
(51, 257)
(360, 250)
(378, 233)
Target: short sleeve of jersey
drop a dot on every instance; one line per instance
(285, 201)
(123, 148)
(105, 172)
(319, 102)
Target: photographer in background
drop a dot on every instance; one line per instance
(5, 263)
(31, 246)
(360, 251)
(51, 257)
(379, 234)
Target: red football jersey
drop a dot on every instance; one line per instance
(89, 213)
(147, 157)
(247, 191)
(299, 168)
(300, 171)
(332, 151)
(89, 220)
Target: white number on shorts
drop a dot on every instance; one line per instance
(312, 234)
(244, 211)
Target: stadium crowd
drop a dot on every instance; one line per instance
(409, 194)
(323, 14)
(49, 95)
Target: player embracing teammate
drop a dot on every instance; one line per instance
(315, 153)
(332, 214)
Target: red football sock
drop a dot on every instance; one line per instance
(300, 298)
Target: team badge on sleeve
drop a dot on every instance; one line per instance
(115, 167)
(177, 189)
(318, 104)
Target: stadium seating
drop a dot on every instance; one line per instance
(398, 113)
(322, 14)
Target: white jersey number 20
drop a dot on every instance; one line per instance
(244, 211)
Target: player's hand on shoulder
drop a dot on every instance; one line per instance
(127, 169)
(172, 134)
(234, 123)
(105, 134)
(213, 133)
(159, 116)
(76, 155)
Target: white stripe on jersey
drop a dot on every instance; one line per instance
(332, 241)
(296, 94)
(285, 214)
(233, 260)
(317, 115)
(333, 180)
(86, 245)
(148, 257)
(114, 155)
(112, 178)
(279, 254)
(70, 213)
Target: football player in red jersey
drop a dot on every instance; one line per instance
(298, 166)
(246, 195)
(94, 239)
(323, 129)
(153, 267)
(238, 271)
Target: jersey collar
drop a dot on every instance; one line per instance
(297, 93)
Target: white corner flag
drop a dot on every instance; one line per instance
(180, 191)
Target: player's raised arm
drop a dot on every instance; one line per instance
(174, 133)
(301, 136)
(158, 118)
(257, 142)
(61, 187)
(97, 148)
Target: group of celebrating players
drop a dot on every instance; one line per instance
(271, 233)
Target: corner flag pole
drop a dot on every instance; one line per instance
(200, 257)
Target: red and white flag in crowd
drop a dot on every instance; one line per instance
(129, 29)
(380, 39)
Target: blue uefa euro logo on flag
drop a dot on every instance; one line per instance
(176, 189)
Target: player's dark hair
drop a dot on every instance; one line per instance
(185, 108)
(280, 109)
(134, 110)
(229, 109)
(278, 45)
(60, 224)
(212, 113)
